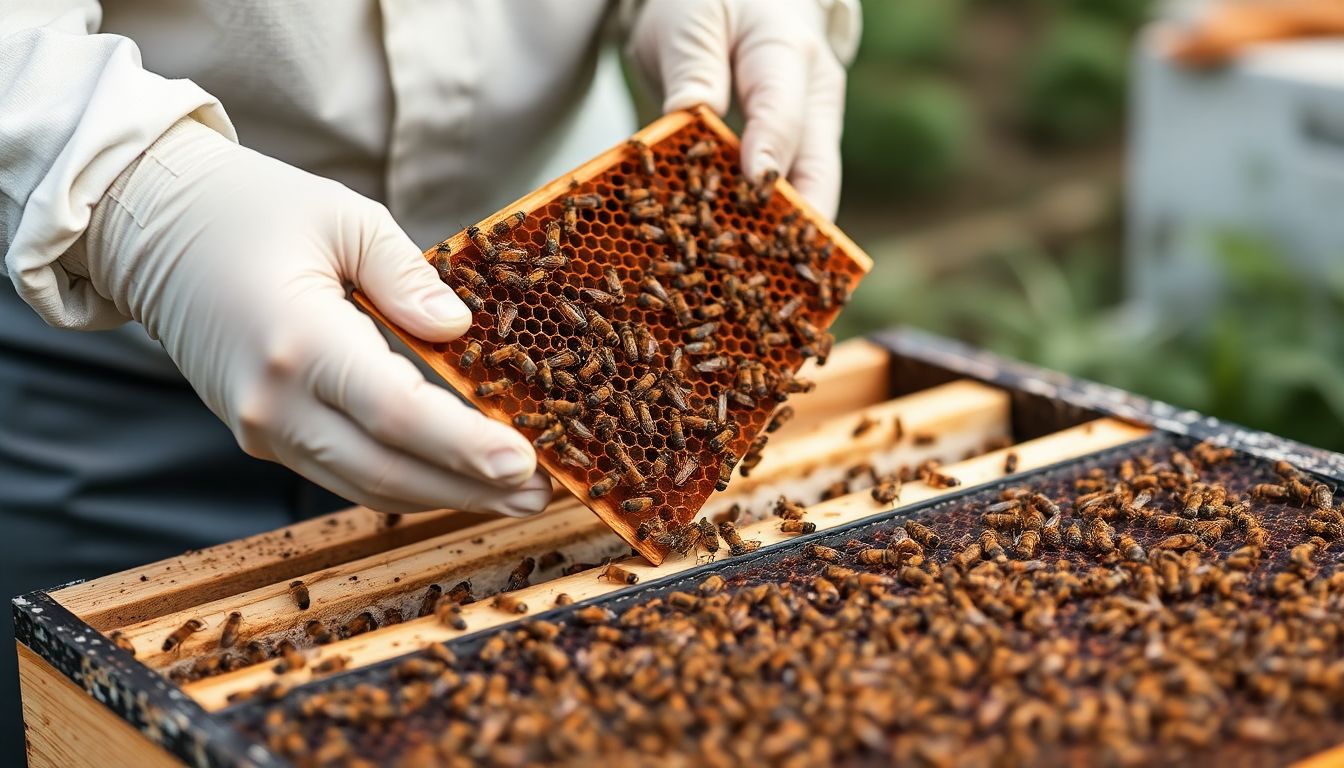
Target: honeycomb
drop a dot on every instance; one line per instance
(688, 294)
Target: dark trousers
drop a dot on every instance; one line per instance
(108, 460)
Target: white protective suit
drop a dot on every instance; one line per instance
(441, 111)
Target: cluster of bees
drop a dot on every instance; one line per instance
(969, 635)
(646, 372)
(699, 537)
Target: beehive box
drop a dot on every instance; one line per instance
(642, 317)
(1020, 427)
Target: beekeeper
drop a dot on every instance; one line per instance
(187, 190)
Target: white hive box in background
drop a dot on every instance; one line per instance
(1255, 148)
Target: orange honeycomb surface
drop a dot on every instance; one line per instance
(690, 295)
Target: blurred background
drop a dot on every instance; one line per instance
(1038, 178)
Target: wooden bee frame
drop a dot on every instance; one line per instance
(661, 137)
(80, 688)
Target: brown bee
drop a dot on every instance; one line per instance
(450, 614)
(290, 658)
(599, 394)
(562, 407)
(482, 242)
(121, 641)
(819, 552)
(550, 435)
(470, 355)
(646, 419)
(564, 598)
(509, 603)
(1179, 541)
(507, 313)
(644, 156)
(494, 388)
(460, 593)
(364, 622)
(876, 556)
(571, 314)
(637, 505)
(797, 526)
(709, 536)
(619, 575)
(430, 600)
(229, 635)
(721, 440)
(736, 546)
(1270, 492)
(317, 631)
(676, 436)
(180, 634)
(469, 298)
(789, 509)
(509, 223)
(1073, 536)
(299, 592)
(780, 417)
(887, 490)
(725, 472)
(533, 420)
(572, 455)
(1027, 544)
(922, 534)
(1010, 463)
(518, 577)
(940, 480)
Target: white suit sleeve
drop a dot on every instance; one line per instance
(76, 109)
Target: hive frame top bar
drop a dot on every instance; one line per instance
(578, 480)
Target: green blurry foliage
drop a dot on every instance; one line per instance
(909, 32)
(1129, 13)
(1268, 355)
(904, 136)
(1073, 83)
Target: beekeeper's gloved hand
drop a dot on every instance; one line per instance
(787, 58)
(239, 263)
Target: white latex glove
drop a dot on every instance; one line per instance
(239, 263)
(787, 58)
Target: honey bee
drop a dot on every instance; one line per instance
(429, 601)
(493, 388)
(1073, 536)
(1179, 541)
(482, 242)
(229, 635)
(725, 472)
(518, 577)
(680, 309)
(572, 455)
(1131, 549)
(819, 552)
(619, 575)
(1302, 556)
(887, 490)
(564, 598)
(460, 593)
(1321, 496)
(644, 156)
(637, 505)
(180, 634)
(797, 526)
(1270, 492)
(789, 509)
(571, 314)
(550, 435)
(599, 394)
(509, 603)
(450, 614)
(721, 440)
(364, 622)
(736, 546)
(646, 419)
(469, 298)
(709, 536)
(780, 418)
(299, 592)
(1010, 463)
(922, 534)
(533, 420)
(562, 407)
(471, 354)
(879, 556)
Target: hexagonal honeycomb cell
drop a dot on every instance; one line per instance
(642, 318)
